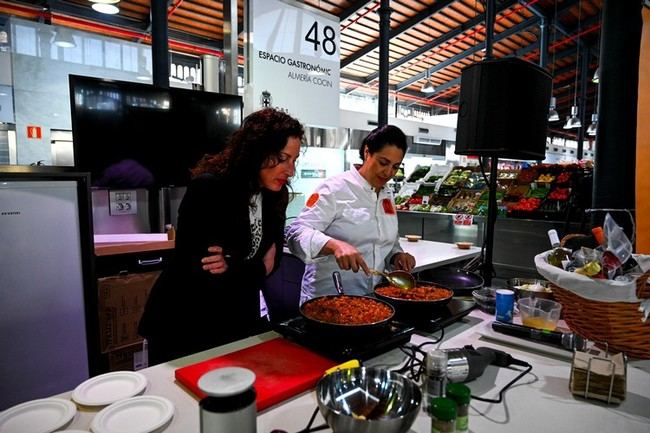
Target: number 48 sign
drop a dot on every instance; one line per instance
(328, 41)
(295, 60)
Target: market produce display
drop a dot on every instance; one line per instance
(542, 191)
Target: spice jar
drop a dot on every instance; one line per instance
(436, 376)
(443, 415)
(461, 394)
(230, 402)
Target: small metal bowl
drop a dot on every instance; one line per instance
(530, 287)
(369, 400)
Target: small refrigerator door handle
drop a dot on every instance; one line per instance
(150, 262)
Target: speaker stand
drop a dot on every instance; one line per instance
(487, 268)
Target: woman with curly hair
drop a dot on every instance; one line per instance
(229, 238)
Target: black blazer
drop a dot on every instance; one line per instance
(191, 309)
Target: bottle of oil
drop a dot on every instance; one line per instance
(559, 254)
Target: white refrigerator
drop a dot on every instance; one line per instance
(45, 276)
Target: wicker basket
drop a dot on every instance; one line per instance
(616, 323)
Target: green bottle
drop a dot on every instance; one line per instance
(443, 415)
(461, 394)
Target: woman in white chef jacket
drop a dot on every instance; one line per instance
(349, 223)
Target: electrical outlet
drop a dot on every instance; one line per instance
(123, 202)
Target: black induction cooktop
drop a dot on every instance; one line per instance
(455, 310)
(396, 334)
(343, 349)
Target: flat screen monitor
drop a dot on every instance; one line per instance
(132, 135)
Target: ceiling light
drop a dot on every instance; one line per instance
(105, 8)
(596, 78)
(573, 121)
(574, 116)
(427, 87)
(63, 38)
(591, 129)
(111, 2)
(553, 116)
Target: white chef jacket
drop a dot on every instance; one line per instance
(344, 207)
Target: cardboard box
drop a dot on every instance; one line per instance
(131, 358)
(121, 302)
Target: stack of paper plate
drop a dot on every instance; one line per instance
(37, 416)
(142, 414)
(109, 388)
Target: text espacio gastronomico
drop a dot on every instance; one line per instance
(315, 72)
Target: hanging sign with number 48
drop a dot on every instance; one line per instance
(295, 61)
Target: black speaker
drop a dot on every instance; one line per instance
(503, 110)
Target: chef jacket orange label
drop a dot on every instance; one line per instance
(388, 206)
(311, 201)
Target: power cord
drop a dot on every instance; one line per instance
(414, 366)
(309, 428)
(506, 360)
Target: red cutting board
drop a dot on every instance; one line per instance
(282, 370)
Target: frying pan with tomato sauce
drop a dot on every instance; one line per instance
(424, 299)
(347, 316)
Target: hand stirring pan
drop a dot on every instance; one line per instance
(400, 279)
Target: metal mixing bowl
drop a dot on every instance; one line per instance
(368, 400)
(522, 288)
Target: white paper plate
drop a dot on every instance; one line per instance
(37, 416)
(109, 388)
(72, 431)
(142, 414)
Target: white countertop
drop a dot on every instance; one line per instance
(431, 254)
(539, 403)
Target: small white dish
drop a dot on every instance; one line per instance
(108, 388)
(143, 414)
(413, 238)
(72, 431)
(37, 416)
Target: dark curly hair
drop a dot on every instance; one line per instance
(382, 136)
(255, 145)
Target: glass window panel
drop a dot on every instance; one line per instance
(112, 55)
(130, 58)
(74, 54)
(24, 40)
(93, 52)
